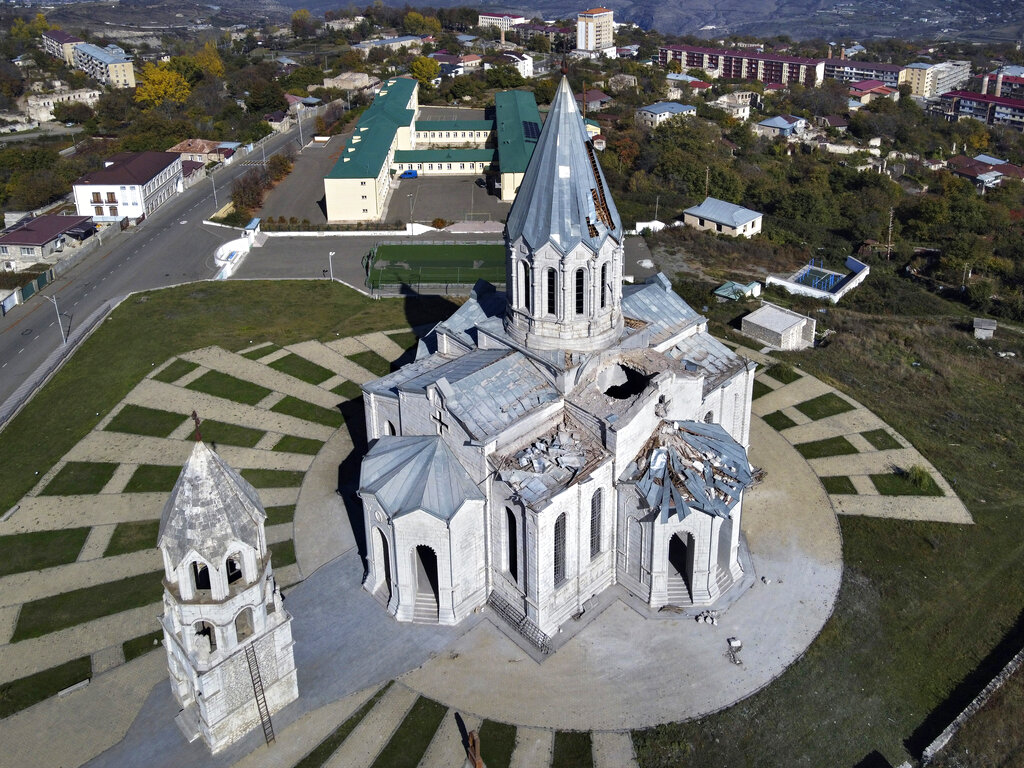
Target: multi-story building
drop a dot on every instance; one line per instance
(131, 185)
(850, 71)
(503, 21)
(60, 45)
(550, 31)
(930, 80)
(1005, 81)
(523, 63)
(595, 31)
(989, 109)
(410, 43)
(110, 65)
(734, 64)
(39, 106)
(654, 115)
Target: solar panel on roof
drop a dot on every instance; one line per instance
(531, 130)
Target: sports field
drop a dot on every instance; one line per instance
(443, 263)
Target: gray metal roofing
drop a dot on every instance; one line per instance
(716, 360)
(694, 467)
(418, 472)
(723, 213)
(668, 106)
(484, 302)
(556, 198)
(210, 507)
(657, 304)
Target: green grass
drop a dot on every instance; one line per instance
(573, 749)
(410, 740)
(899, 484)
(322, 752)
(50, 614)
(293, 444)
(881, 440)
(32, 551)
(140, 646)
(779, 421)
(372, 362)
(132, 537)
(838, 484)
(497, 743)
(783, 373)
(24, 692)
(824, 406)
(760, 389)
(175, 371)
(230, 388)
(405, 339)
(256, 354)
(282, 553)
(80, 477)
(282, 514)
(153, 478)
(138, 420)
(273, 478)
(300, 409)
(348, 390)
(223, 433)
(831, 446)
(438, 264)
(301, 368)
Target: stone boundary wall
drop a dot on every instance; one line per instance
(858, 268)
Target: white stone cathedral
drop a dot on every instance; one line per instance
(569, 435)
(227, 634)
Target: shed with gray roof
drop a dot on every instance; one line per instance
(716, 215)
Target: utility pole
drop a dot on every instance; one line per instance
(330, 263)
(214, 182)
(657, 200)
(888, 247)
(707, 179)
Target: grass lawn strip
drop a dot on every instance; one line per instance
(301, 368)
(404, 339)
(760, 389)
(497, 743)
(838, 484)
(153, 478)
(132, 536)
(831, 446)
(573, 749)
(323, 751)
(783, 373)
(138, 420)
(140, 646)
(410, 740)
(256, 354)
(24, 692)
(230, 388)
(175, 371)
(273, 478)
(778, 421)
(282, 553)
(300, 409)
(304, 445)
(32, 551)
(282, 514)
(824, 406)
(893, 484)
(80, 477)
(372, 362)
(348, 389)
(50, 614)
(881, 440)
(229, 434)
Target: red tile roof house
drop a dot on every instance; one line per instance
(132, 185)
(199, 150)
(32, 241)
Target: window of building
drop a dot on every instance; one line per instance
(3, 249)
(111, 197)
(362, 183)
(552, 289)
(430, 166)
(98, 210)
(26, 250)
(113, 210)
(233, 568)
(364, 197)
(524, 280)
(579, 291)
(596, 502)
(604, 286)
(96, 197)
(364, 210)
(559, 549)
(449, 166)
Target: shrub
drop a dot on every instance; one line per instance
(918, 476)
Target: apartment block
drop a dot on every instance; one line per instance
(930, 80)
(60, 45)
(850, 71)
(110, 65)
(745, 64)
(595, 30)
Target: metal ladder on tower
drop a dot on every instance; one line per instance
(257, 687)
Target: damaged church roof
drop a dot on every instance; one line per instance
(655, 303)
(549, 463)
(210, 507)
(564, 198)
(691, 466)
(419, 472)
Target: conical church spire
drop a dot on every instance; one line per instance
(564, 199)
(564, 239)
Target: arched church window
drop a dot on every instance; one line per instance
(525, 300)
(207, 636)
(596, 503)
(559, 549)
(244, 625)
(233, 566)
(604, 286)
(200, 576)
(512, 537)
(552, 290)
(580, 280)
(709, 417)
(389, 428)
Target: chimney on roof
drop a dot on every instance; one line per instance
(984, 85)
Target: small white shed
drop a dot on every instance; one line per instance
(781, 328)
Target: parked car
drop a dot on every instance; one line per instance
(407, 175)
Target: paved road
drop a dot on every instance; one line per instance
(170, 247)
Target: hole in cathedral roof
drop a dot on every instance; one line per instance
(622, 382)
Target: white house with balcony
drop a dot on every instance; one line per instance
(130, 185)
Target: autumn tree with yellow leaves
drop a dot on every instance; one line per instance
(161, 85)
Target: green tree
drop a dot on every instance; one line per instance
(265, 96)
(303, 23)
(208, 60)
(504, 76)
(424, 69)
(414, 23)
(159, 85)
(540, 43)
(544, 90)
(72, 112)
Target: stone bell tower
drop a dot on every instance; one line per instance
(564, 241)
(227, 634)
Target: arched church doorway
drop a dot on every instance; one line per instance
(680, 568)
(634, 548)
(383, 556)
(426, 584)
